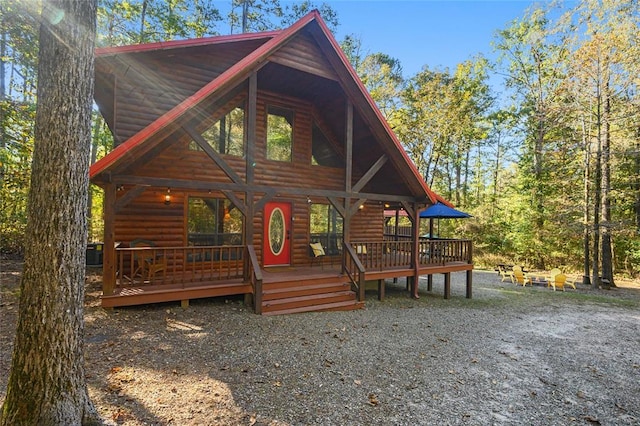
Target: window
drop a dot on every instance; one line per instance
(213, 222)
(279, 134)
(325, 226)
(322, 152)
(226, 136)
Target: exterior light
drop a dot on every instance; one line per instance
(167, 197)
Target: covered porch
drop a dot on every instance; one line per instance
(162, 274)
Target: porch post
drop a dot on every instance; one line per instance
(109, 255)
(348, 149)
(415, 252)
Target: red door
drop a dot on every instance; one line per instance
(277, 234)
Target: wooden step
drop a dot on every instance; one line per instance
(269, 293)
(308, 301)
(350, 305)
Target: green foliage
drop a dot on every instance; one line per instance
(15, 159)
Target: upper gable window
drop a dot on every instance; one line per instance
(279, 134)
(225, 136)
(322, 152)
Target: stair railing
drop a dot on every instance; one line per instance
(253, 274)
(354, 269)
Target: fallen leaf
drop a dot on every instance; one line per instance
(373, 399)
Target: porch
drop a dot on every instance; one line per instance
(160, 274)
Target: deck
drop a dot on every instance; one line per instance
(153, 275)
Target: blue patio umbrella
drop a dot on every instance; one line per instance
(441, 211)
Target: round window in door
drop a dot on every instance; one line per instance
(276, 231)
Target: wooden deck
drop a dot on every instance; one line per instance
(287, 290)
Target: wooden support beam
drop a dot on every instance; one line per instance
(338, 206)
(353, 209)
(252, 114)
(129, 196)
(415, 252)
(197, 137)
(370, 173)
(109, 258)
(207, 186)
(268, 196)
(240, 204)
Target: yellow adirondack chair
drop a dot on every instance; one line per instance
(552, 276)
(558, 281)
(520, 277)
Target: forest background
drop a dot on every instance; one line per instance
(548, 164)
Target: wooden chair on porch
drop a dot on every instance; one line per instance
(147, 264)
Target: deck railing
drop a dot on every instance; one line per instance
(178, 265)
(387, 255)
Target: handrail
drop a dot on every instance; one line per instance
(351, 258)
(253, 274)
(177, 265)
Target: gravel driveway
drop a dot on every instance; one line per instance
(509, 356)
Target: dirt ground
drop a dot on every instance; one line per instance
(510, 355)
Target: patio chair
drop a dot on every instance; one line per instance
(551, 276)
(318, 253)
(520, 277)
(505, 273)
(148, 263)
(558, 281)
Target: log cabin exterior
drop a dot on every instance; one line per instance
(234, 153)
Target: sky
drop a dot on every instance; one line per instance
(437, 33)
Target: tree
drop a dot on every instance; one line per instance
(534, 59)
(47, 382)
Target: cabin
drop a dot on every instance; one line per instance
(256, 165)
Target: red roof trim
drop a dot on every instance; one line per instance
(374, 107)
(253, 58)
(175, 44)
(277, 38)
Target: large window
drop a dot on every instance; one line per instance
(213, 222)
(325, 226)
(279, 134)
(322, 152)
(226, 136)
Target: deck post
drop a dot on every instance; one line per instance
(469, 282)
(429, 282)
(447, 285)
(381, 290)
(109, 255)
(415, 249)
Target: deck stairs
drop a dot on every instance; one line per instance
(295, 295)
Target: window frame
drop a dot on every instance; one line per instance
(288, 114)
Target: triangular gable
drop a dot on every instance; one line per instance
(143, 141)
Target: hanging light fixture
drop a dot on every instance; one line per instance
(227, 215)
(167, 197)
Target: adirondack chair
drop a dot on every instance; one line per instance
(505, 273)
(558, 281)
(551, 276)
(520, 277)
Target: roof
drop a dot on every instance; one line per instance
(143, 141)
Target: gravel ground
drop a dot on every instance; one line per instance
(510, 355)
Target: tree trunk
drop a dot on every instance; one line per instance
(607, 254)
(586, 278)
(47, 384)
(595, 279)
(636, 183)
